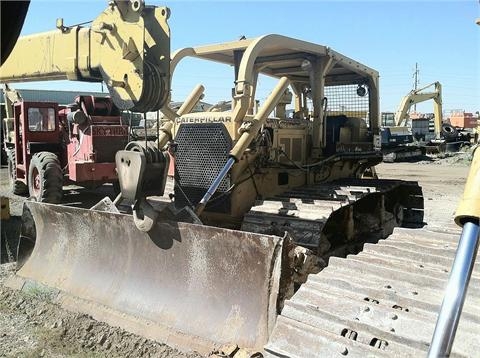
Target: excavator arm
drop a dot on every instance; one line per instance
(127, 47)
(417, 96)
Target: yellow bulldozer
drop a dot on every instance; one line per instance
(246, 244)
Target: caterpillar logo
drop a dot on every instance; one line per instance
(109, 131)
(204, 119)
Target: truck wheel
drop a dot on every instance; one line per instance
(17, 187)
(449, 133)
(45, 178)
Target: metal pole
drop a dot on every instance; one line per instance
(145, 128)
(213, 188)
(452, 304)
(415, 85)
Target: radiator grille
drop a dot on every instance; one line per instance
(105, 148)
(202, 151)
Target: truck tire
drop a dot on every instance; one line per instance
(45, 178)
(449, 133)
(17, 187)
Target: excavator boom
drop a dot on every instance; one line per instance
(417, 96)
(127, 47)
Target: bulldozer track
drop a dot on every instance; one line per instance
(310, 211)
(383, 301)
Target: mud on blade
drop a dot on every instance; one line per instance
(187, 285)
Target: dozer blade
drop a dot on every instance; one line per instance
(191, 286)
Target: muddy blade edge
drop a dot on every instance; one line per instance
(191, 286)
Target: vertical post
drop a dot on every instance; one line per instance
(318, 92)
(415, 83)
(374, 105)
(319, 67)
(145, 128)
(438, 110)
(237, 59)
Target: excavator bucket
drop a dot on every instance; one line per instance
(191, 286)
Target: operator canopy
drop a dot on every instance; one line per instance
(277, 56)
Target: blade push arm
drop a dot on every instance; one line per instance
(127, 47)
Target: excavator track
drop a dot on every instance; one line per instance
(336, 218)
(403, 153)
(383, 301)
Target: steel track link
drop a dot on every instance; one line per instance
(382, 302)
(329, 216)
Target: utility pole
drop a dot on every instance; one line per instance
(415, 83)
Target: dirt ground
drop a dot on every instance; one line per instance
(442, 181)
(32, 325)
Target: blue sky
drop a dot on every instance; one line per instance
(389, 36)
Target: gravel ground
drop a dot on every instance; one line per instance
(32, 325)
(442, 179)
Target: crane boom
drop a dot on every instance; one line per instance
(127, 47)
(417, 96)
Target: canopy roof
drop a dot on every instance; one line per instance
(277, 56)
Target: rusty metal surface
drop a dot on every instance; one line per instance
(383, 301)
(201, 283)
